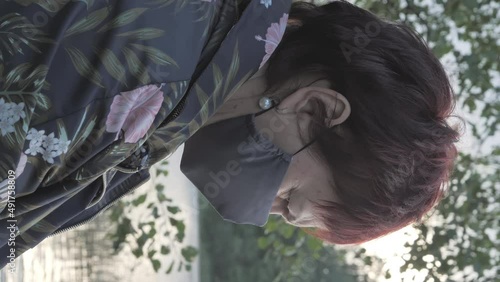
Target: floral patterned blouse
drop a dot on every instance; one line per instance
(93, 93)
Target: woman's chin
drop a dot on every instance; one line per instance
(275, 212)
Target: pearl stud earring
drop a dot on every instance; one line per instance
(266, 102)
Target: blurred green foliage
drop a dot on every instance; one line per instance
(276, 253)
(159, 233)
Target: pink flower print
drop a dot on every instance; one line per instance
(273, 37)
(134, 112)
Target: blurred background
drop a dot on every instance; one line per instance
(167, 231)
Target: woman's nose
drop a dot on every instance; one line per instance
(278, 206)
(290, 216)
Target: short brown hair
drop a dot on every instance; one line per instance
(391, 159)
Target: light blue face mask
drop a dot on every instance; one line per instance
(237, 169)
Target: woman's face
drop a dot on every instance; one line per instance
(306, 181)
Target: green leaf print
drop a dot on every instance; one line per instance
(22, 86)
(160, 3)
(136, 67)
(42, 102)
(83, 66)
(123, 19)
(79, 133)
(63, 135)
(26, 80)
(179, 5)
(49, 5)
(15, 75)
(193, 126)
(14, 141)
(120, 150)
(168, 101)
(156, 55)
(233, 68)
(143, 33)
(91, 21)
(204, 14)
(218, 85)
(179, 88)
(112, 65)
(202, 99)
(43, 225)
(88, 2)
(223, 82)
(15, 32)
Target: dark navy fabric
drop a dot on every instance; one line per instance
(85, 84)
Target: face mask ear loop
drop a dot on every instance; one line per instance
(314, 140)
(307, 145)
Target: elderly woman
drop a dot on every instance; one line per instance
(327, 115)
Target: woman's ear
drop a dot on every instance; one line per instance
(337, 107)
